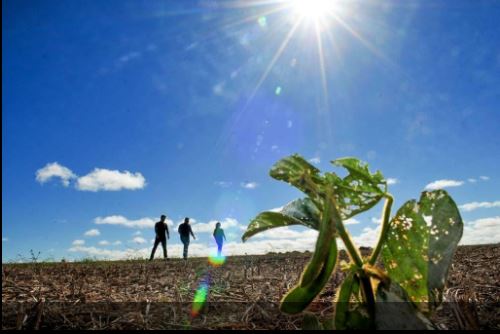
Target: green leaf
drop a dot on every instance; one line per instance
(329, 219)
(296, 171)
(349, 312)
(297, 299)
(420, 244)
(359, 191)
(311, 322)
(394, 310)
(299, 212)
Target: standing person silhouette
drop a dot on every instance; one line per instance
(219, 238)
(160, 229)
(185, 230)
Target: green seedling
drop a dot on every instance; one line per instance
(416, 245)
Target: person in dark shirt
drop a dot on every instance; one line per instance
(185, 230)
(219, 238)
(161, 230)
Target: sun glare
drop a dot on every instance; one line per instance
(314, 9)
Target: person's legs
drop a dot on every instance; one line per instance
(219, 248)
(164, 246)
(157, 241)
(185, 241)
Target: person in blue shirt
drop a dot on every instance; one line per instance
(185, 230)
(220, 237)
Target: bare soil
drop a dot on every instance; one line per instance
(244, 293)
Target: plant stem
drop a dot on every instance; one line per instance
(367, 294)
(349, 245)
(386, 214)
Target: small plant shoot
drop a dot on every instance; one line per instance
(416, 246)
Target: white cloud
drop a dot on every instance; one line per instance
(477, 205)
(54, 170)
(195, 250)
(129, 56)
(117, 242)
(78, 242)
(110, 180)
(472, 180)
(484, 178)
(218, 89)
(371, 154)
(103, 243)
(391, 181)
(315, 160)
(376, 220)
(137, 233)
(249, 185)
(123, 221)
(286, 240)
(351, 221)
(223, 184)
(482, 231)
(286, 233)
(139, 240)
(279, 209)
(107, 253)
(440, 184)
(209, 227)
(98, 180)
(368, 237)
(92, 233)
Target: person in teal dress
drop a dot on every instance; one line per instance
(220, 237)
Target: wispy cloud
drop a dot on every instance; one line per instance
(4, 239)
(286, 233)
(368, 237)
(125, 222)
(139, 240)
(104, 243)
(110, 180)
(249, 185)
(484, 178)
(55, 170)
(440, 184)
(128, 57)
(92, 233)
(351, 221)
(209, 227)
(482, 231)
(479, 205)
(104, 253)
(78, 242)
(223, 184)
(315, 160)
(391, 181)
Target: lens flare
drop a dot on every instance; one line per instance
(314, 9)
(200, 298)
(216, 260)
(201, 294)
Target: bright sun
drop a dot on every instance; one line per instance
(313, 9)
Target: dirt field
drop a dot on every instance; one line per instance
(244, 293)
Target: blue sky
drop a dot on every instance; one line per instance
(119, 111)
